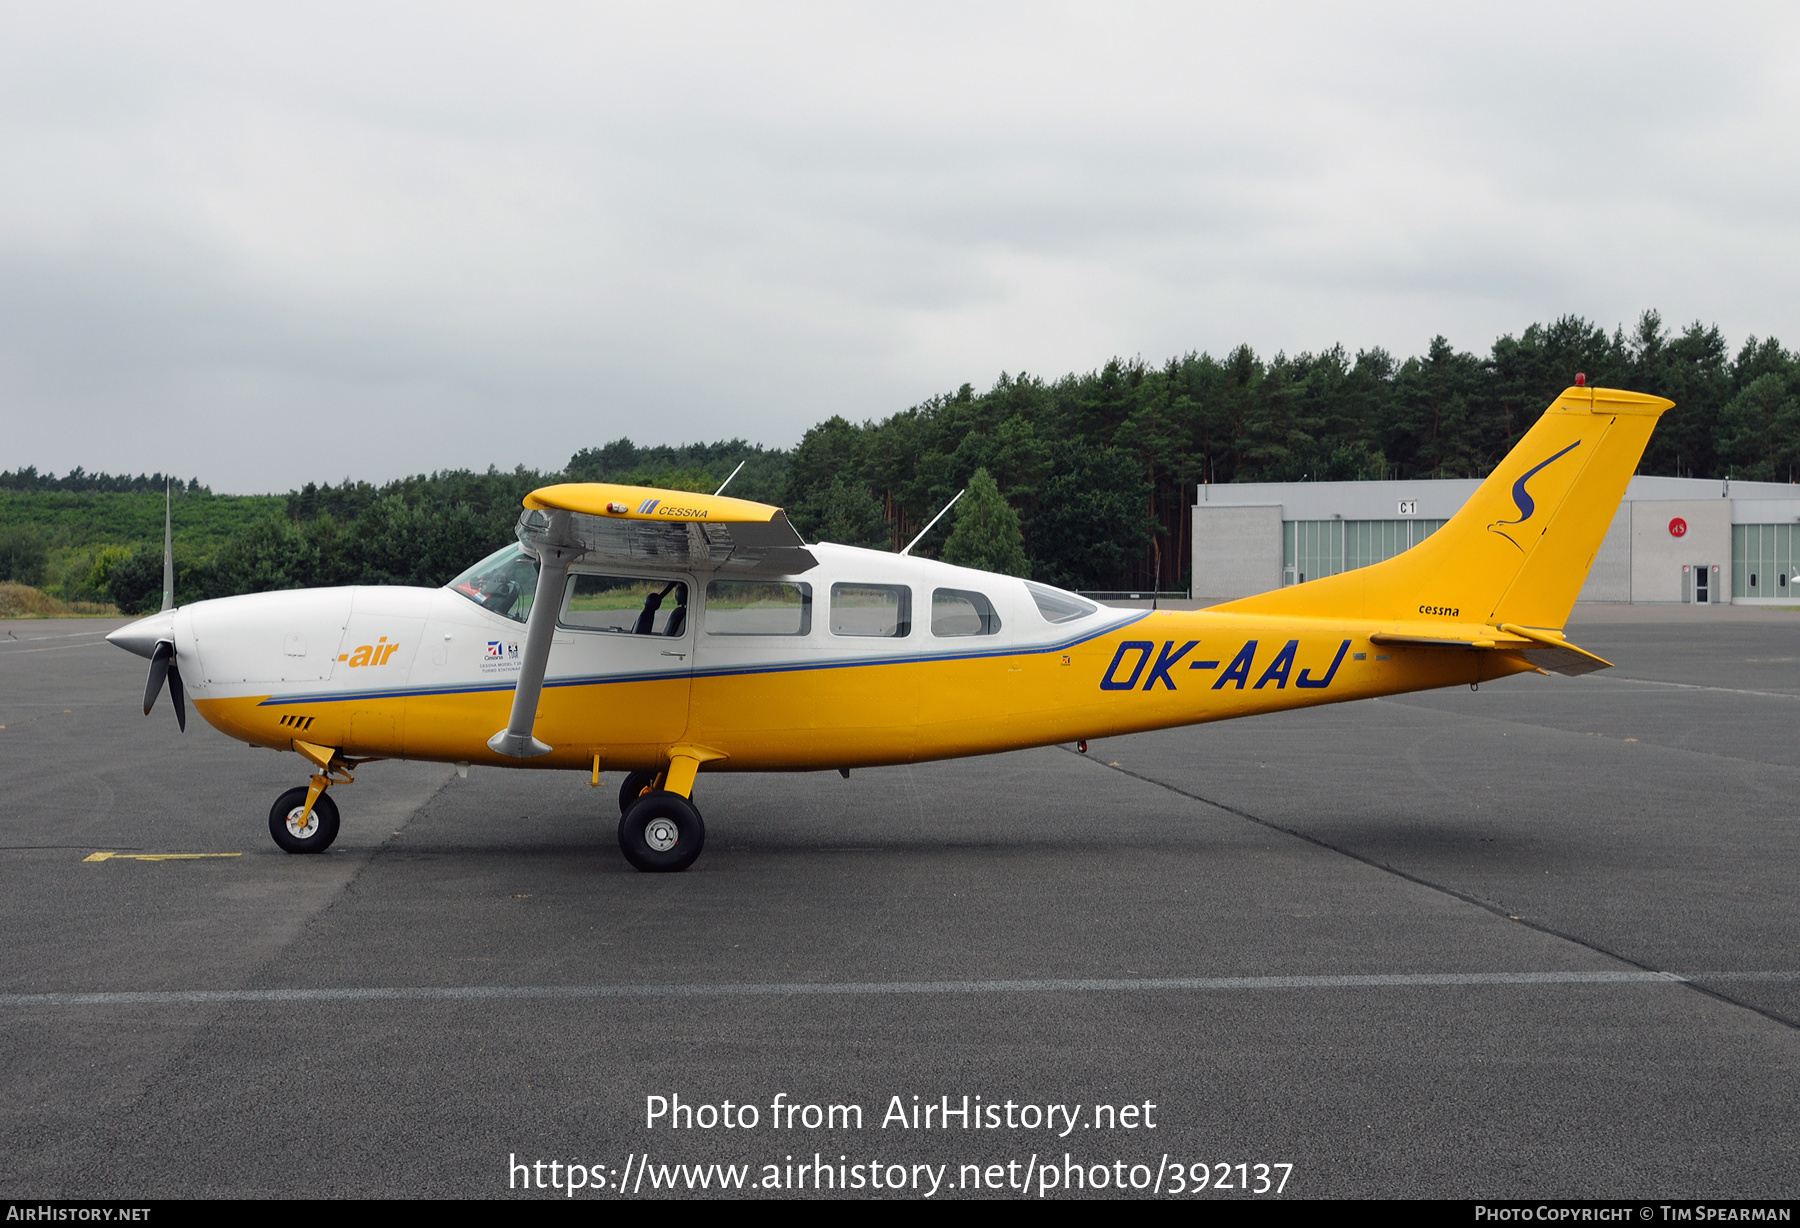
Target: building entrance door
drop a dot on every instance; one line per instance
(1702, 584)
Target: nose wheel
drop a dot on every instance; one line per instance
(297, 831)
(661, 832)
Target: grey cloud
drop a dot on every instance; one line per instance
(463, 235)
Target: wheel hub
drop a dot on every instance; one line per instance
(301, 823)
(662, 834)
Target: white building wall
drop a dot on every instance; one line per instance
(1609, 579)
(1238, 528)
(1657, 555)
(1237, 551)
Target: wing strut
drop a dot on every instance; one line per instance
(556, 548)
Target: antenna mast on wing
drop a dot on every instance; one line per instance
(727, 481)
(922, 532)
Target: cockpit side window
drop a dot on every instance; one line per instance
(502, 583)
(625, 605)
(958, 611)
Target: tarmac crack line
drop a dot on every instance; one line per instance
(1400, 701)
(1453, 893)
(348, 889)
(1695, 686)
(125, 1122)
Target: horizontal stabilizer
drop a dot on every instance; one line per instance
(1545, 649)
(1549, 651)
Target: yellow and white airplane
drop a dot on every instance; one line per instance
(664, 634)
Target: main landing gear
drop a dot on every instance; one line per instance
(660, 830)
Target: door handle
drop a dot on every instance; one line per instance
(667, 653)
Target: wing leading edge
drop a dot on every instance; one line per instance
(673, 530)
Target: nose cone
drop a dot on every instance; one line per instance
(141, 636)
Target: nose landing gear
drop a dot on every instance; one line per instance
(298, 829)
(305, 819)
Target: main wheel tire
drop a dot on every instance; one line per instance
(634, 787)
(321, 825)
(662, 832)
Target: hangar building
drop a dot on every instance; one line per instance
(1673, 540)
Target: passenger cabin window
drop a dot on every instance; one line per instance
(1057, 606)
(747, 607)
(957, 611)
(871, 609)
(626, 605)
(502, 583)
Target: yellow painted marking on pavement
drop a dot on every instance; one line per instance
(155, 856)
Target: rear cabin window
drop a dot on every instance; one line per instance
(871, 609)
(746, 607)
(958, 611)
(626, 605)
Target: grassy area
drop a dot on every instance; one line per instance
(82, 534)
(23, 601)
(85, 518)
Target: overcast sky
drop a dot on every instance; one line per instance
(271, 244)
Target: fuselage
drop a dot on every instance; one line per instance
(884, 659)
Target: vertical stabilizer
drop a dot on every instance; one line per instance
(1520, 548)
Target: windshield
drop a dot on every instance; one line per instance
(502, 583)
(1057, 606)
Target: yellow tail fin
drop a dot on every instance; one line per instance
(1520, 548)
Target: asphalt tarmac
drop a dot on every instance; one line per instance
(1540, 940)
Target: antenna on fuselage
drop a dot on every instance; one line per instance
(727, 481)
(168, 545)
(922, 532)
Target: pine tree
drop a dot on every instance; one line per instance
(987, 531)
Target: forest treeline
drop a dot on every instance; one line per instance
(79, 479)
(1099, 468)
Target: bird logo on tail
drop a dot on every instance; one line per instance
(1523, 500)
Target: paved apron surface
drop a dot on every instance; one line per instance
(1413, 946)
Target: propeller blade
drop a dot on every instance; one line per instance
(177, 696)
(159, 669)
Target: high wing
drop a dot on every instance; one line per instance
(668, 529)
(649, 529)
